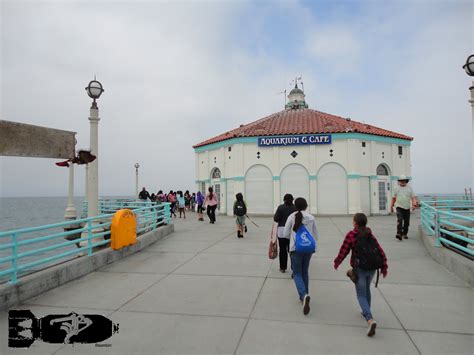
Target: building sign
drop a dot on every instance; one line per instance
(294, 140)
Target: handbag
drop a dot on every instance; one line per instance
(272, 247)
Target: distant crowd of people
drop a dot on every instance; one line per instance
(182, 202)
(297, 237)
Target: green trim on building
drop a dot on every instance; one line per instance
(238, 178)
(353, 176)
(313, 177)
(373, 177)
(276, 178)
(335, 136)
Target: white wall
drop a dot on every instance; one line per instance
(349, 153)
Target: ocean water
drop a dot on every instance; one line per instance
(25, 212)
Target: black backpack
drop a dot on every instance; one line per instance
(240, 209)
(367, 254)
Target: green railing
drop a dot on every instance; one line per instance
(451, 222)
(27, 250)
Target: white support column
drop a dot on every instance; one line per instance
(313, 198)
(70, 212)
(86, 186)
(471, 101)
(276, 194)
(93, 184)
(136, 183)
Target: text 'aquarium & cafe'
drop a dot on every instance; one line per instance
(338, 165)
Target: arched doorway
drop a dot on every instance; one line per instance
(383, 187)
(332, 189)
(294, 179)
(259, 190)
(216, 185)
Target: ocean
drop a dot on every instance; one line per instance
(24, 212)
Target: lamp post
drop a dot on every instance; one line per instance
(70, 212)
(469, 68)
(94, 90)
(136, 179)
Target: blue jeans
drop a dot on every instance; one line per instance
(300, 266)
(363, 291)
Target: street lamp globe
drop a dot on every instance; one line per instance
(137, 165)
(94, 90)
(469, 66)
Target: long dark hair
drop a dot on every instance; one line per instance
(288, 199)
(239, 197)
(301, 205)
(211, 192)
(360, 220)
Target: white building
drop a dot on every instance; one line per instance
(340, 166)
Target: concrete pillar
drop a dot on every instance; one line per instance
(70, 209)
(93, 184)
(471, 101)
(313, 198)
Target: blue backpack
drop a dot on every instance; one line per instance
(304, 241)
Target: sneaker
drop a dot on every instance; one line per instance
(404, 236)
(306, 300)
(245, 229)
(282, 271)
(399, 237)
(371, 329)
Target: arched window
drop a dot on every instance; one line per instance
(216, 174)
(382, 170)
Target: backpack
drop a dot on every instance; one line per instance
(367, 253)
(240, 209)
(304, 241)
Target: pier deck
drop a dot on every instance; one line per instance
(203, 291)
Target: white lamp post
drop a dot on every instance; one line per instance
(469, 68)
(136, 179)
(94, 90)
(70, 209)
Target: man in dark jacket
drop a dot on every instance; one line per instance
(144, 195)
(280, 217)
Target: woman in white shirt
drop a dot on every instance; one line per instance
(300, 261)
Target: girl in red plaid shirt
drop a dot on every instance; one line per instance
(364, 277)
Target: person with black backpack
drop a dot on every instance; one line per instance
(240, 210)
(367, 257)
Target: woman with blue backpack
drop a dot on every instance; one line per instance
(367, 257)
(300, 228)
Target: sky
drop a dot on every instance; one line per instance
(176, 73)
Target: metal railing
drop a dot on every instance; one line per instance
(451, 222)
(27, 250)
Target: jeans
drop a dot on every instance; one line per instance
(403, 221)
(284, 244)
(363, 291)
(211, 212)
(300, 266)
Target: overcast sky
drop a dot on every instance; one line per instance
(176, 73)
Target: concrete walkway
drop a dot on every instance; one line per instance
(203, 291)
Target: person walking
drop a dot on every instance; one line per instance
(211, 205)
(144, 195)
(403, 199)
(298, 225)
(187, 200)
(280, 217)
(181, 204)
(200, 203)
(172, 201)
(367, 257)
(240, 210)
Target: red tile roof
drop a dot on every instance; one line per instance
(301, 121)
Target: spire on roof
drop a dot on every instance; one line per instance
(296, 97)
